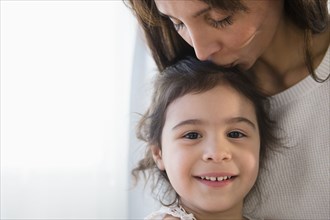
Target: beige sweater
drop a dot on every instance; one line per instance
(297, 183)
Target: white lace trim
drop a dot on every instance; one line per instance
(175, 211)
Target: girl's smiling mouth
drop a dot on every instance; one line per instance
(213, 178)
(216, 180)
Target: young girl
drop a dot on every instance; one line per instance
(285, 46)
(205, 129)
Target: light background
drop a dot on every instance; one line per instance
(73, 76)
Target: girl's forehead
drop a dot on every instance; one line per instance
(220, 105)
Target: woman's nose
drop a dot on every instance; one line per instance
(217, 152)
(203, 42)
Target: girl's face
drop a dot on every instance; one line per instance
(226, 38)
(210, 150)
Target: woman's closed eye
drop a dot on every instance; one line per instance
(235, 134)
(192, 135)
(220, 23)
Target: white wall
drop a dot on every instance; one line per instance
(140, 202)
(73, 76)
(65, 87)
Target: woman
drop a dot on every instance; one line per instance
(284, 47)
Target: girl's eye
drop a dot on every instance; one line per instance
(192, 135)
(221, 23)
(235, 134)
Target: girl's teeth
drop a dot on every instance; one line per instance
(213, 178)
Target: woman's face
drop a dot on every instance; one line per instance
(226, 38)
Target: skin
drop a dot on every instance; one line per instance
(262, 39)
(201, 137)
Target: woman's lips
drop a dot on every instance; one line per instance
(228, 65)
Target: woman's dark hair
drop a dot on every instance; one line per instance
(167, 47)
(193, 76)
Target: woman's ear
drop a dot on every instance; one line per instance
(157, 155)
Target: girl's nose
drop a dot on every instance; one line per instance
(203, 42)
(217, 152)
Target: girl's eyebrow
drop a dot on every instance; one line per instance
(187, 122)
(229, 121)
(242, 119)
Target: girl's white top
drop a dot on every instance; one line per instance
(175, 211)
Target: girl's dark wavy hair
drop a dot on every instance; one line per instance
(167, 47)
(193, 76)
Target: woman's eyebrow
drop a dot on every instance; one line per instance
(201, 12)
(194, 15)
